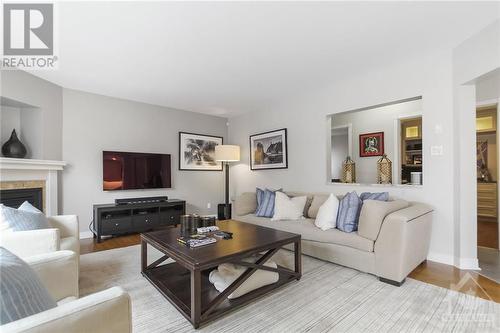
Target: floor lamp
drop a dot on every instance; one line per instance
(226, 154)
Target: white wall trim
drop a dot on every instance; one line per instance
(85, 234)
(468, 263)
(7, 163)
(441, 258)
(488, 102)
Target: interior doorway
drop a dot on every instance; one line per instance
(488, 167)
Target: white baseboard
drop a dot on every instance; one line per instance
(441, 258)
(468, 263)
(461, 263)
(85, 234)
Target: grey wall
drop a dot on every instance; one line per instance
(93, 123)
(47, 98)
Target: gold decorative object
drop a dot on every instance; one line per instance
(348, 171)
(384, 170)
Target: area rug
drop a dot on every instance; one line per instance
(327, 298)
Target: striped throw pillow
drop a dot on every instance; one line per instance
(380, 196)
(348, 215)
(266, 207)
(22, 294)
(20, 220)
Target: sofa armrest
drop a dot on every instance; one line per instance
(245, 203)
(58, 272)
(31, 242)
(403, 242)
(67, 224)
(105, 311)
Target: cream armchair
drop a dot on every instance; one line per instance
(105, 311)
(64, 235)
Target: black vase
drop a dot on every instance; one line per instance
(13, 147)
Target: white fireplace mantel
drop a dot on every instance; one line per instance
(7, 163)
(19, 169)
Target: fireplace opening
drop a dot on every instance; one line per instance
(15, 197)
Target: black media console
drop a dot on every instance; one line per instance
(117, 219)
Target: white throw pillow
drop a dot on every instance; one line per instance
(327, 213)
(286, 208)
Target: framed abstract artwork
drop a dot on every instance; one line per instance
(197, 152)
(371, 144)
(269, 150)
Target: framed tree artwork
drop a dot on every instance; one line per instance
(197, 152)
(371, 144)
(269, 150)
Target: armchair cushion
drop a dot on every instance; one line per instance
(22, 294)
(58, 271)
(105, 311)
(31, 242)
(21, 220)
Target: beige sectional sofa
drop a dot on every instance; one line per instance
(392, 239)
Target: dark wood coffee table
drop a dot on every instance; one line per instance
(185, 282)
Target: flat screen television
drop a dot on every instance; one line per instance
(133, 171)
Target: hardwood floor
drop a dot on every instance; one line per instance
(437, 274)
(487, 233)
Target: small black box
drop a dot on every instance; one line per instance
(222, 214)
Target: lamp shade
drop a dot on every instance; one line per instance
(227, 153)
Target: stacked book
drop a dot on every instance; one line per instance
(196, 240)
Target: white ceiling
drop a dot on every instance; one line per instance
(229, 58)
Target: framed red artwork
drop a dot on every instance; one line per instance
(371, 144)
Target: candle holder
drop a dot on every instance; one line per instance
(348, 171)
(384, 170)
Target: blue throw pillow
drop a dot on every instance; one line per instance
(380, 196)
(266, 207)
(260, 195)
(22, 294)
(21, 220)
(348, 215)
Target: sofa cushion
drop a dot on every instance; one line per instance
(20, 220)
(286, 208)
(22, 294)
(317, 201)
(373, 214)
(246, 203)
(327, 214)
(310, 232)
(266, 206)
(349, 208)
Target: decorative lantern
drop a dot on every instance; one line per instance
(384, 170)
(348, 171)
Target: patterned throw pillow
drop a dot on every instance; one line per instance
(380, 196)
(22, 294)
(260, 195)
(266, 207)
(349, 209)
(27, 207)
(20, 220)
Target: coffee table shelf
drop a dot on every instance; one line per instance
(173, 281)
(185, 281)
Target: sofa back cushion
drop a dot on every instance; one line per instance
(246, 203)
(348, 216)
(373, 214)
(12, 219)
(317, 201)
(22, 294)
